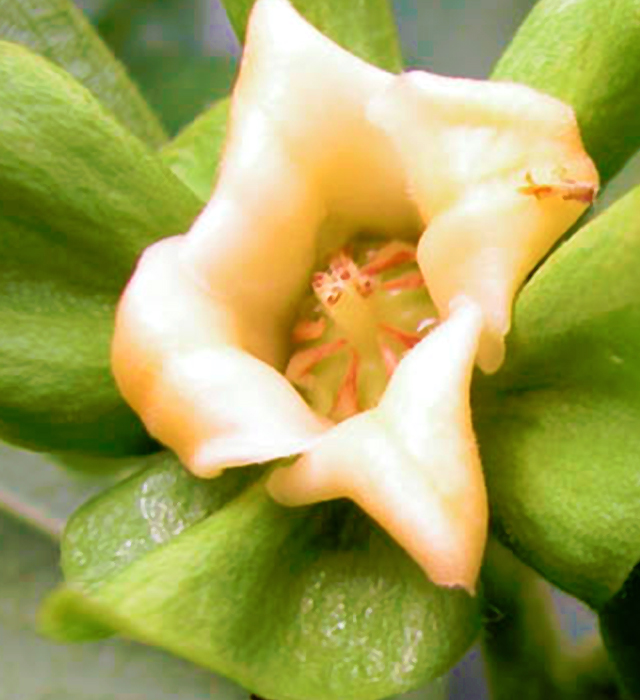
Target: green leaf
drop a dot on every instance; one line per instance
(57, 30)
(586, 53)
(181, 87)
(559, 427)
(177, 51)
(222, 575)
(366, 28)
(80, 197)
(195, 153)
(32, 667)
(73, 180)
(56, 388)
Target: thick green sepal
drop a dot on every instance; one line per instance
(57, 391)
(296, 604)
(559, 426)
(365, 28)
(194, 155)
(57, 30)
(80, 197)
(141, 513)
(586, 53)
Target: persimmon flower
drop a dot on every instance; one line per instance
(365, 228)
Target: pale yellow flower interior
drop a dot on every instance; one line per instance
(369, 307)
(322, 147)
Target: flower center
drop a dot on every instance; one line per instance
(369, 306)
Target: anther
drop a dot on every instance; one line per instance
(565, 188)
(308, 329)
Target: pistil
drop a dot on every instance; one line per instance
(344, 292)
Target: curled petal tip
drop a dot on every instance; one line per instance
(501, 174)
(177, 357)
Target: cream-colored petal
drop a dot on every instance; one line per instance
(472, 149)
(204, 312)
(412, 462)
(303, 167)
(177, 361)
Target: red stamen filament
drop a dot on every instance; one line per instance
(412, 280)
(407, 338)
(344, 292)
(388, 257)
(389, 358)
(303, 361)
(346, 403)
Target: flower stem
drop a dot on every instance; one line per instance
(526, 654)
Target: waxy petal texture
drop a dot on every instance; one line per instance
(303, 171)
(499, 172)
(178, 361)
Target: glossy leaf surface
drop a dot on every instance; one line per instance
(57, 30)
(246, 579)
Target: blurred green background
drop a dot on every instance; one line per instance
(183, 56)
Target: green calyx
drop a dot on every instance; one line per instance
(217, 572)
